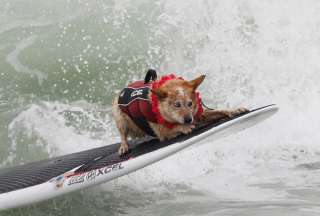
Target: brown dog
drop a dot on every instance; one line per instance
(163, 109)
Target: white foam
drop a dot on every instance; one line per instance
(63, 128)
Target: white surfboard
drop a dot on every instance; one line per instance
(42, 180)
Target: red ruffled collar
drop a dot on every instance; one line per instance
(155, 103)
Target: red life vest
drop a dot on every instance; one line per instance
(135, 102)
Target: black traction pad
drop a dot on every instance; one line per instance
(23, 176)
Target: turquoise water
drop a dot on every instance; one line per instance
(62, 61)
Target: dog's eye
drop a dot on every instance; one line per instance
(189, 104)
(177, 104)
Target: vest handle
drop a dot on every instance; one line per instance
(151, 75)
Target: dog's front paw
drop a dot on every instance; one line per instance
(237, 111)
(186, 129)
(124, 148)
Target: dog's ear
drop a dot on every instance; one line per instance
(197, 81)
(160, 93)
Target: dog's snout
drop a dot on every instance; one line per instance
(187, 119)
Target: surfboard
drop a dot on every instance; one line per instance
(37, 181)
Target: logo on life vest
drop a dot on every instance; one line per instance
(137, 92)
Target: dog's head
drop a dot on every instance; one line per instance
(177, 100)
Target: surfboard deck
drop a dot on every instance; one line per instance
(60, 175)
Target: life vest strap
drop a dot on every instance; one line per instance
(142, 123)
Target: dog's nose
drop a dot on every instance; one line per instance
(187, 120)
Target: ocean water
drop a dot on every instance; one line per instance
(62, 61)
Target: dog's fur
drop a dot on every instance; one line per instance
(177, 104)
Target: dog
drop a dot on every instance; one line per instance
(163, 108)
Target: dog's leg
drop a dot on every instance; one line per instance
(124, 147)
(122, 126)
(215, 115)
(164, 133)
